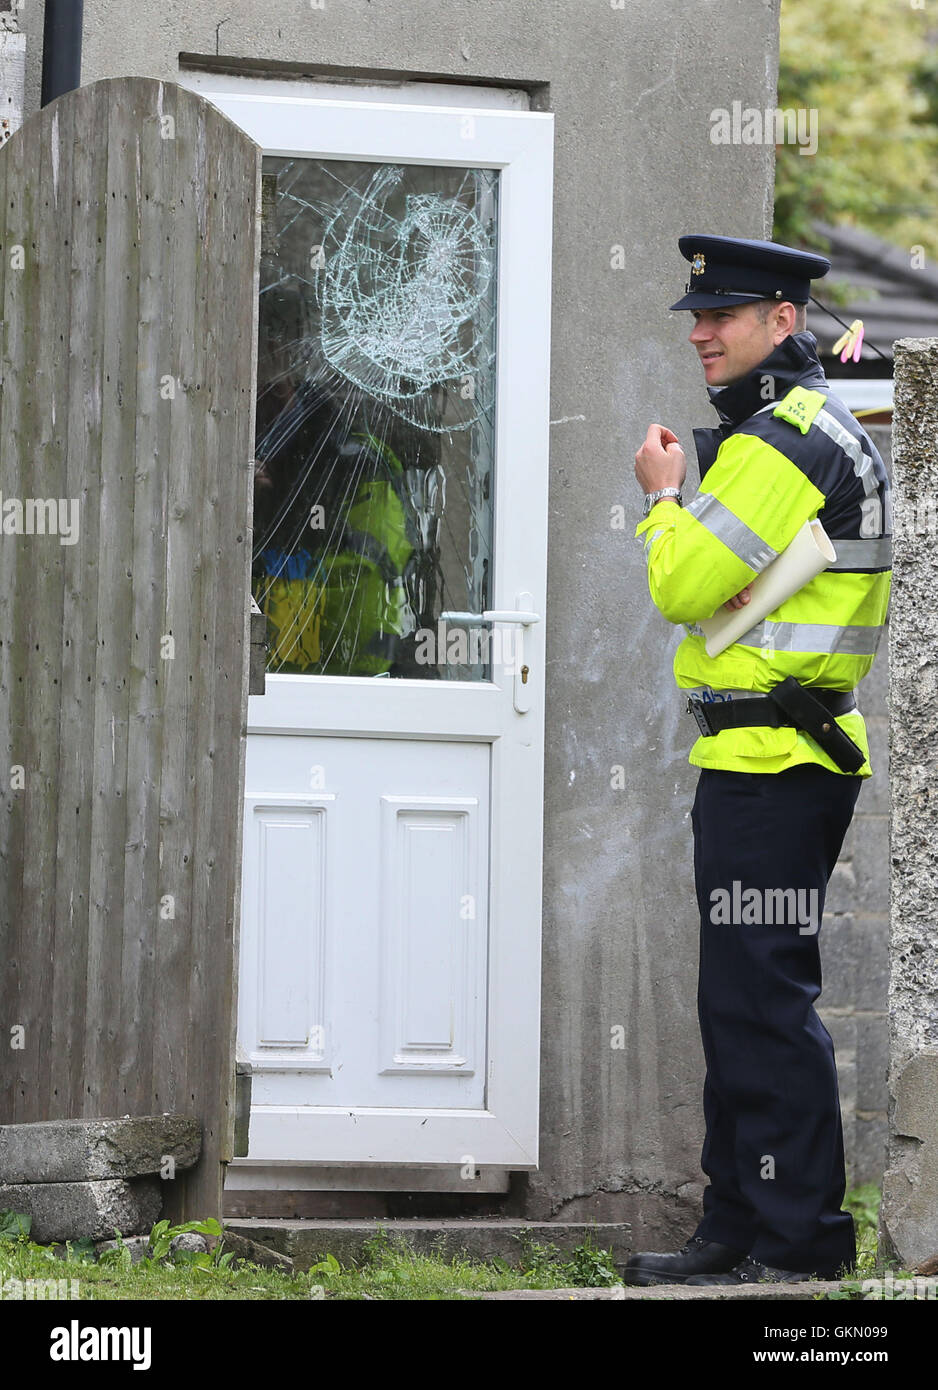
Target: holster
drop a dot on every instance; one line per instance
(807, 713)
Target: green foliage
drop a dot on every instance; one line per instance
(591, 1267)
(14, 1224)
(389, 1270)
(903, 1286)
(81, 1250)
(848, 1292)
(587, 1267)
(119, 1255)
(867, 68)
(163, 1235)
(377, 1248)
(329, 1268)
(925, 78)
(541, 1263)
(863, 1205)
(159, 1250)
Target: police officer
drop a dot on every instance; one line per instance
(782, 750)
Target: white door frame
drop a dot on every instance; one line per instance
(506, 713)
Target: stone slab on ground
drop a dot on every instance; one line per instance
(251, 1251)
(74, 1210)
(79, 1150)
(308, 1241)
(677, 1293)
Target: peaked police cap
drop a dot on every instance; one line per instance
(728, 270)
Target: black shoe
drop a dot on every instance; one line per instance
(749, 1271)
(697, 1257)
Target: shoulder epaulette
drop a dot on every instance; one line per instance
(800, 407)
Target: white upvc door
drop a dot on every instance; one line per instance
(389, 990)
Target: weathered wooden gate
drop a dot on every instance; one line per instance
(128, 285)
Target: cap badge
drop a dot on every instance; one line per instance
(699, 264)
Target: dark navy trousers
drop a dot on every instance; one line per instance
(774, 1150)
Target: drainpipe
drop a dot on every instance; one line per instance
(61, 48)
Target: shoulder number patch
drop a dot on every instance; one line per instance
(800, 407)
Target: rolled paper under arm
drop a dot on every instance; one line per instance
(808, 554)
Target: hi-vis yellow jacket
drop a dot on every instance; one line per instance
(787, 451)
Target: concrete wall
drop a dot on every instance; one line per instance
(909, 1213)
(632, 86)
(854, 939)
(12, 70)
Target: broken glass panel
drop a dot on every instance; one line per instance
(373, 496)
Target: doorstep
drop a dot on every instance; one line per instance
(309, 1240)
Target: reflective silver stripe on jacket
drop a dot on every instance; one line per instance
(735, 534)
(649, 542)
(872, 553)
(862, 462)
(812, 637)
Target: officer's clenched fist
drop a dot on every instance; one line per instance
(660, 461)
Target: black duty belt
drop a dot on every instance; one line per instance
(787, 705)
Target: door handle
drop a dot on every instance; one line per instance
(523, 617)
(497, 615)
(491, 615)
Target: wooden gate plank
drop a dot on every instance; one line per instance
(172, 1025)
(114, 598)
(33, 945)
(12, 692)
(139, 992)
(84, 335)
(48, 597)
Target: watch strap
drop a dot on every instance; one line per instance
(652, 497)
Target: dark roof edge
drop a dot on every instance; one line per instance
(867, 247)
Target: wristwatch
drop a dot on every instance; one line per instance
(652, 497)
